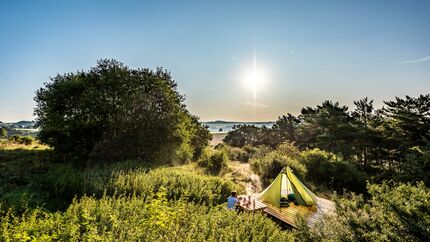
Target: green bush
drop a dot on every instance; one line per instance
(25, 140)
(324, 170)
(140, 219)
(268, 165)
(238, 154)
(415, 166)
(394, 212)
(214, 161)
(3, 132)
(15, 138)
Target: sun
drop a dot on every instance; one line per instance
(254, 78)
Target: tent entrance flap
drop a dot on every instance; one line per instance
(286, 183)
(272, 194)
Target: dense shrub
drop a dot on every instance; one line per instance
(238, 154)
(139, 219)
(179, 184)
(214, 161)
(394, 212)
(3, 132)
(25, 140)
(241, 154)
(415, 166)
(323, 169)
(268, 165)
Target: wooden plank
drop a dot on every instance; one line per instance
(250, 208)
(312, 214)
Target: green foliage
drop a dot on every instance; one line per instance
(112, 113)
(415, 166)
(214, 161)
(139, 219)
(25, 140)
(3, 133)
(180, 185)
(329, 127)
(268, 166)
(286, 128)
(28, 178)
(239, 154)
(377, 141)
(324, 169)
(409, 120)
(394, 212)
(251, 135)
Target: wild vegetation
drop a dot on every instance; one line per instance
(332, 149)
(112, 113)
(393, 212)
(391, 143)
(119, 157)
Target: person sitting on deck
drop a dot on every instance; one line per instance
(232, 200)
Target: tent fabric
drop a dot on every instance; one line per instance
(272, 194)
(304, 193)
(287, 181)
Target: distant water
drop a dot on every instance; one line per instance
(222, 126)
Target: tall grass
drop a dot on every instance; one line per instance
(135, 218)
(179, 184)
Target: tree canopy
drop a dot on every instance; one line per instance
(112, 112)
(392, 142)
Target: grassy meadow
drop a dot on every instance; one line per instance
(44, 200)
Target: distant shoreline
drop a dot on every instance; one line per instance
(226, 126)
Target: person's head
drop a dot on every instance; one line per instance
(233, 193)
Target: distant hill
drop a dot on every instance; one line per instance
(226, 126)
(19, 125)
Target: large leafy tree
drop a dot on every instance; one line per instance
(113, 112)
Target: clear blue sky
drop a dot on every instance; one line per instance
(309, 50)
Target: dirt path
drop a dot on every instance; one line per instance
(243, 174)
(217, 138)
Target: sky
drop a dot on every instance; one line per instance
(304, 52)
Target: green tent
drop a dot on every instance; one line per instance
(288, 183)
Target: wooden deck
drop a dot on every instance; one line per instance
(259, 206)
(311, 214)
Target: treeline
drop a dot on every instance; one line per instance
(392, 142)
